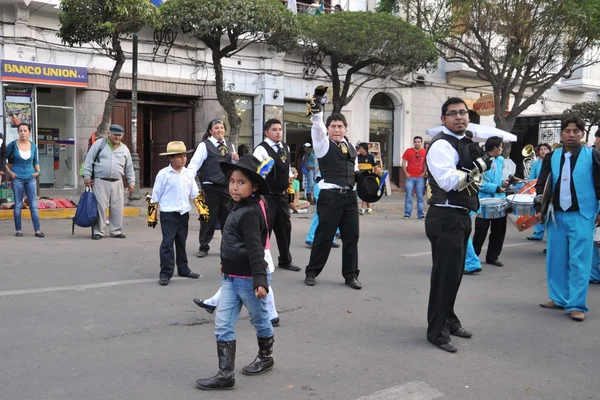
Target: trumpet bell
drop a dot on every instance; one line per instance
(556, 146)
(528, 151)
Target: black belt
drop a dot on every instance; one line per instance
(110, 179)
(339, 190)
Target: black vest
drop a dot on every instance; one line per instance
(337, 167)
(278, 178)
(465, 160)
(210, 171)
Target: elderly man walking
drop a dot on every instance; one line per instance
(107, 161)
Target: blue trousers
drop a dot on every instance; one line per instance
(472, 262)
(538, 231)
(410, 184)
(595, 275)
(569, 259)
(310, 236)
(25, 187)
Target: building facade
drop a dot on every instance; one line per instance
(61, 92)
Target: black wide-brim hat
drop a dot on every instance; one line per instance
(368, 186)
(257, 169)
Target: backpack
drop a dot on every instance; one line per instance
(87, 210)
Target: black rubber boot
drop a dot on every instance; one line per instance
(264, 360)
(225, 378)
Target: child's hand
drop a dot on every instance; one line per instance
(260, 292)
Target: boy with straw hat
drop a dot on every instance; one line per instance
(173, 189)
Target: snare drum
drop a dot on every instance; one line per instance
(522, 204)
(492, 208)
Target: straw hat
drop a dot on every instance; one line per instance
(174, 148)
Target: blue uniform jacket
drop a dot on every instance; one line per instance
(492, 179)
(536, 167)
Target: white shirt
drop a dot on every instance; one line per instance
(200, 156)
(173, 190)
(261, 153)
(321, 144)
(442, 159)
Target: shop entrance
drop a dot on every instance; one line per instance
(158, 124)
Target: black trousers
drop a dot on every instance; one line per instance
(336, 209)
(448, 230)
(278, 213)
(174, 227)
(218, 202)
(497, 234)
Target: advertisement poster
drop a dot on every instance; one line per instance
(17, 110)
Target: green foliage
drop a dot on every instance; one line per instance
(355, 38)
(588, 111)
(241, 22)
(102, 21)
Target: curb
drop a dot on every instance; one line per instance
(63, 213)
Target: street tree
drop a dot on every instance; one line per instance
(520, 47)
(354, 48)
(104, 23)
(589, 112)
(227, 27)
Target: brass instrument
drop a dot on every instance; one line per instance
(529, 153)
(201, 207)
(556, 146)
(151, 212)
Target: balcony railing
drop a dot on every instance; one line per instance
(312, 8)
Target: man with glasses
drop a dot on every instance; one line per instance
(413, 165)
(278, 179)
(451, 160)
(107, 161)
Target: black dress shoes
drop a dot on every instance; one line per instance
(475, 271)
(335, 245)
(310, 280)
(163, 281)
(202, 253)
(290, 267)
(449, 347)
(191, 275)
(462, 332)
(496, 262)
(200, 303)
(354, 283)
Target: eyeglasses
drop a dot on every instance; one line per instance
(453, 114)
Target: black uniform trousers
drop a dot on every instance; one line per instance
(218, 202)
(448, 230)
(334, 209)
(278, 213)
(174, 227)
(497, 234)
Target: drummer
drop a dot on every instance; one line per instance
(536, 167)
(492, 187)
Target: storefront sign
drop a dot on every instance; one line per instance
(486, 105)
(48, 74)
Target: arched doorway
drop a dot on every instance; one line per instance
(381, 127)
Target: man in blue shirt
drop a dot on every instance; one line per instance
(492, 187)
(309, 166)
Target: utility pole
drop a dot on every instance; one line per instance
(135, 196)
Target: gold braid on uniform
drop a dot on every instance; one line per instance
(201, 207)
(152, 211)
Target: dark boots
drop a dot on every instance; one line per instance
(225, 378)
(264, 359)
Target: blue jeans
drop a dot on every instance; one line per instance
(236, 292)
(310, 181)
(26, 187)
(410, 184)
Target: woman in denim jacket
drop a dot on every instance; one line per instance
(24, 168)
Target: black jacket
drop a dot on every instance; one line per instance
(243, 241)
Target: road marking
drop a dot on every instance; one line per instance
(415, 390)
(82, 287)
(483, 248)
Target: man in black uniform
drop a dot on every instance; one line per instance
(337, 204)
(451, 157)
(278, 179)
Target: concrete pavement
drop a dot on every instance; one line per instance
(86, 319)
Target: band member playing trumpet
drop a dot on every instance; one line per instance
(542, 150)
(571, 198)
(172, 191)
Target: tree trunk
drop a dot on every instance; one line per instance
(338, 102)
(112, 86)
(226, 99)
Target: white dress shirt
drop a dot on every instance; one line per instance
(173, 190)
(200, 156)
(261, 153)
(321, 144)
(442, 159)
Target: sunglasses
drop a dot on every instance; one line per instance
(215, 122)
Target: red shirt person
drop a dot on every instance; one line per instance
(413, 164)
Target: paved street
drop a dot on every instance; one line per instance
(83, 319)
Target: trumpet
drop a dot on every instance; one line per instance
(201, 207)
(151, 212)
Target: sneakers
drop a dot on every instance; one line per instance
(305, 211)
(361, 211)
(406, 217)
(369, 211)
